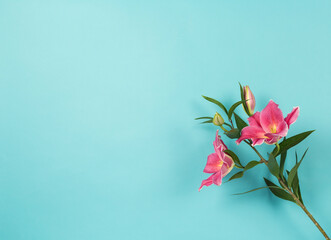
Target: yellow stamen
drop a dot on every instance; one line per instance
(273, 129)
(221, 163)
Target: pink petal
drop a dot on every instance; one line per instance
(271, 117)
(217, 178)
(272, 138)
(207, 182)
(214, 164)
(219, 146)
(228, 161)
(251, 132)
(226, 168)
(257, 141)
(254, 121)
(282, 129)
(292, 116)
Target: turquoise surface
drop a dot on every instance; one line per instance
(97, 101)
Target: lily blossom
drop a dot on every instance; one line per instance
(269, 125)
(218, 163)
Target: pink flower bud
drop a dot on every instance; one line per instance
(250, 101)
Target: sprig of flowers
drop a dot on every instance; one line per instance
(268, 126)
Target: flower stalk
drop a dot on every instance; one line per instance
(298, 202)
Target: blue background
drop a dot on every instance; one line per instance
(97, 101)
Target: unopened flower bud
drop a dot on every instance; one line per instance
(249, 101)
(218, 120)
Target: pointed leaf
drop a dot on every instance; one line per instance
(294, 170)
(208, 121)
(291, 142)
(299, 194)
(304, 154)
(233, 107)
(233, 133)
(273, 165)
(284, 179)
(240, 123)
(295, 184)
(255, 189)
(296, 157)
(251, 164)
(227, 125)
(296, 187)
(240, 167)
(234, 157)
(279, 192)
(203, 118)
(237, 175)
(217, 103)
(282, 163)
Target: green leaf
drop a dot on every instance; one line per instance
(291, 142)
(255, 189)
(203, 118)
(240, 167)
(299, 194)
(282, 163)
(284, 179)
(296, 187)
(304, 154)
(227, 125)
(234, 157)
(251, 164)
(233, 107)
(288, 172)
(296, 156)
(273, 165)
(294, 170)
(295, 183)
(208, 121)
(237, 175)
(278, 192)
(240, 123)
(233, 133)
(216, 102)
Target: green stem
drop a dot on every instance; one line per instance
(224, 129)
(304, 209)
(293, 195)
(257, 152)
(230, 120)
(228, 125)
(278, 148)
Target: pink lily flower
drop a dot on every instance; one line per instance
(218, 163)
(269, 125)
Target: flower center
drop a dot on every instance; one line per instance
(221, 163)
(273, 129)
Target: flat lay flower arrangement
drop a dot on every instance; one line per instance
(269, 126)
